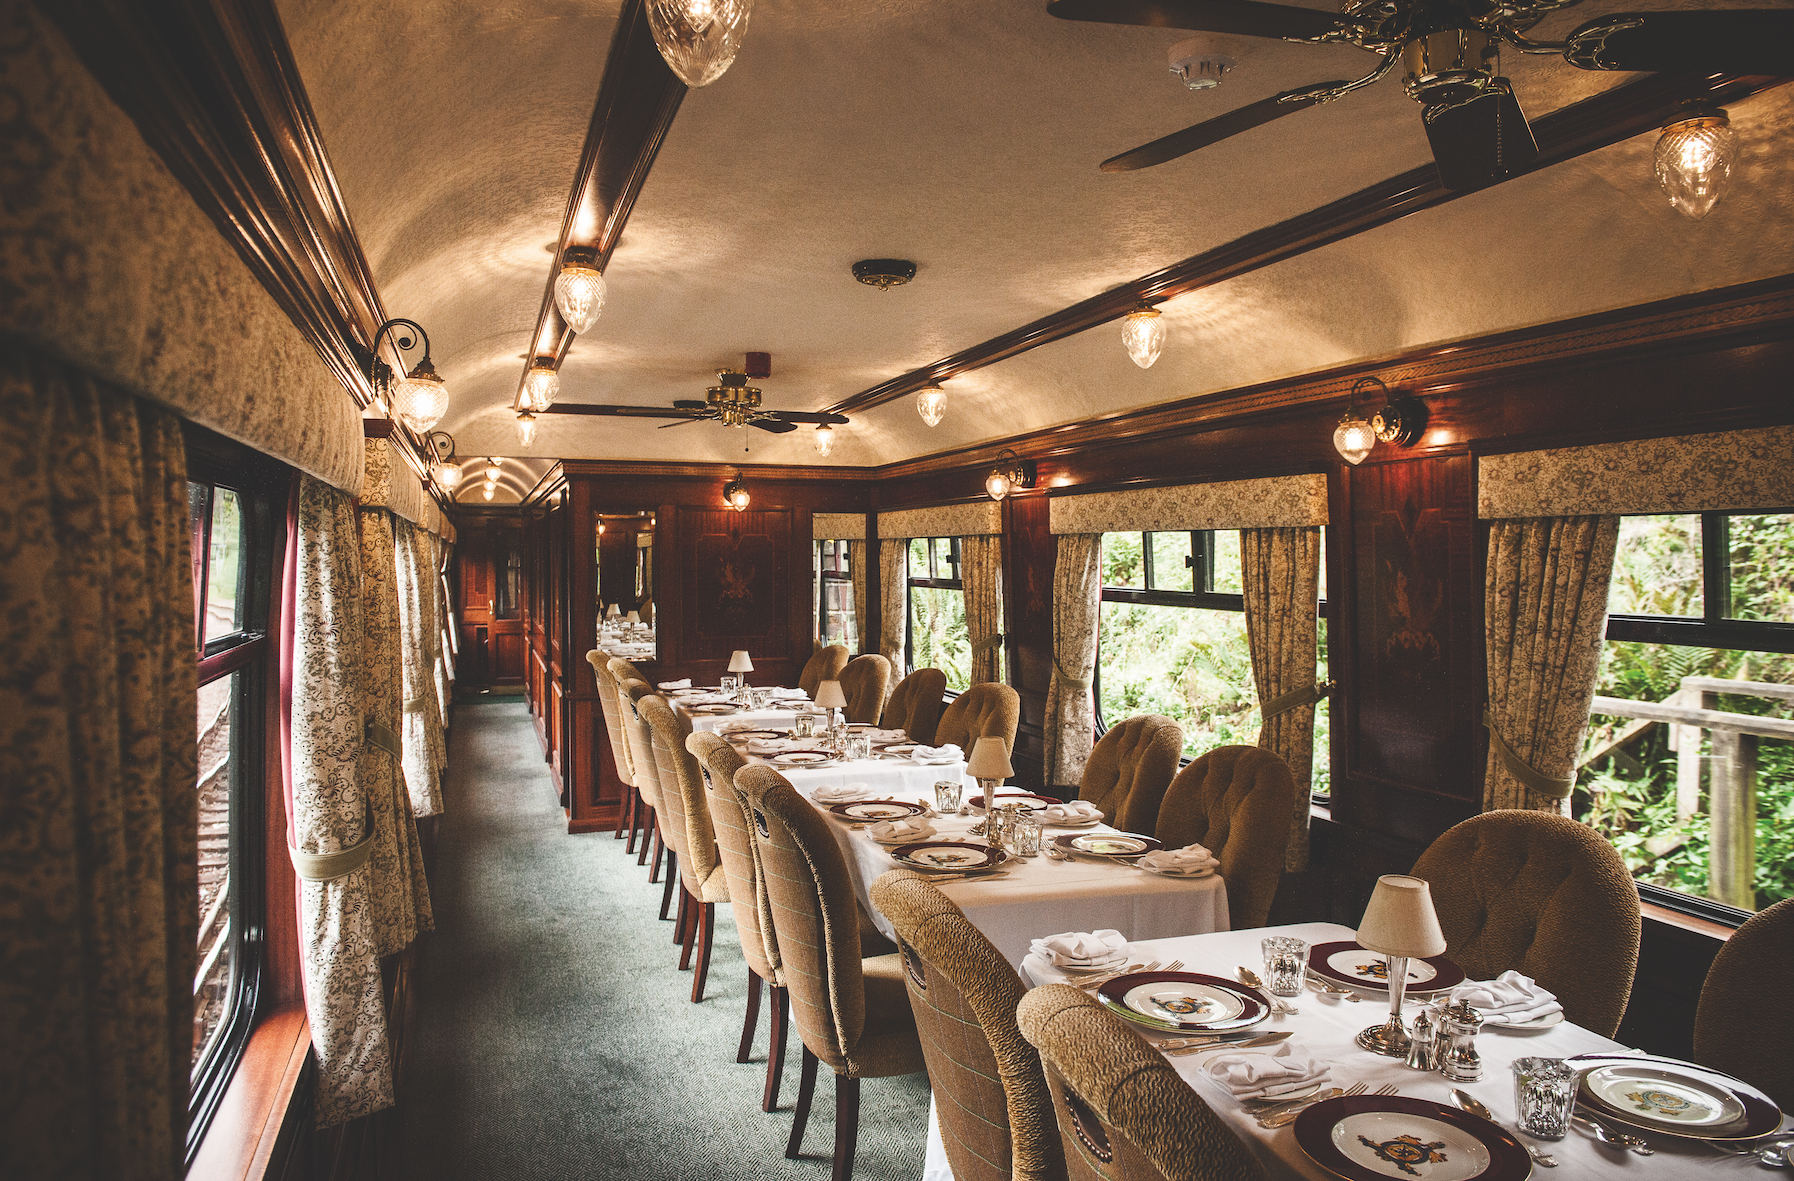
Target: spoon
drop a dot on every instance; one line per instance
(1474, 1106)
(1250, 979)
(1613, 1139)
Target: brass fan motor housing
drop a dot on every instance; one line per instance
(1450, 65)
(734, 400)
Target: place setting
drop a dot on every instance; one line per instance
(958, 858)
(1110, 846)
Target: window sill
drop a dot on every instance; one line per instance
(1699, 926)
(240, 1143)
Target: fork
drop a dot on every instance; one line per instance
(1094, 980)
(1278, 1117)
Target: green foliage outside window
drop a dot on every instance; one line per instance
(938, 636)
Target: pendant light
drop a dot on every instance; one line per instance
(825, 439)
(541, 385)
(526, 429)
(579, 288)
(698, 38)
(931, 404)
(1143, 332)
(1694, 160)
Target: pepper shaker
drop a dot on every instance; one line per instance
(1460, 1061)
(1420, 1042)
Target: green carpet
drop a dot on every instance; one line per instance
(555, 1037)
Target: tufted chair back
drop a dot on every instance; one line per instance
(915, 705)
(688, 826)
(1544, 895)
(613, 717)
(1123, 1112)
(735, 845)
(625, 670)
(1130, 769)
(641, 740)
(1734, 1029)
(996, 1118)
(981, 711)
(825, 664)
(1236, 801)
(863, 683)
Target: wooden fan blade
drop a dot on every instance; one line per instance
(1181, 143)
(816, 416)
(1206, 16)
(1482, 141)
(1742, 41)
(669, 426)
(617, 411)
(774, 425)
(688, 403)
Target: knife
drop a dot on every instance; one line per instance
(1263, 1039)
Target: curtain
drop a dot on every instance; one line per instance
(1280, 574)
(1545, 615)
(1077, 607)
(416, 629)
(981, 570)
(99, 900)
(856, 566)
(430, 591)
(440, 552)
(893, 595)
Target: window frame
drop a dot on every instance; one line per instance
(824, 573)
(911, 582)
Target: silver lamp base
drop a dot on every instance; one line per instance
(1389, 1039)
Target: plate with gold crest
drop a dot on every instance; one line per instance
(1374, 1137)
(1672, 1097)
(1349, 964)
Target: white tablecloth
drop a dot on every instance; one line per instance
(773, 717)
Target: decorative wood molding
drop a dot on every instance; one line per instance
(1565, 134)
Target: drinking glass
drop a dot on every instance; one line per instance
(803, 726)
(859, 746)
(1286, 961)
(1544, 1093)
(946, 796)
(1024, 837)
(728, 682)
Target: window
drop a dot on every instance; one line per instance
(1701, 618)
(835, 619)
(937, 611)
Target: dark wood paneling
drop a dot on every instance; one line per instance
(1028, 561)
(735, 569)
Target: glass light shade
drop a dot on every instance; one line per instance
(490, 489)
(990, 759)
(1353, 438)
(1143, 332)
(446, 474)
(526, 429)
(1400, 920)
(1694, 162)
(931, 404)
(492, 471)
(541, 386)
(829, 695)
(579, 295)
(740, 662)
(420, 400)
(996, 485)
(825, 439)
(698, 38)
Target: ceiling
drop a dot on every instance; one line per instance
(964, 137)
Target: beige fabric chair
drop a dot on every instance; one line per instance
(1130, 769)
(850, 1012)
(979, 712)
(1236, 802)
(825, 664)
(1124, 1114)
(863, 683)
(1544, 895)
(647, 779)
(702, 882)
(996, 1118)
(1738, 1028)
(619, 745)
(915, 705)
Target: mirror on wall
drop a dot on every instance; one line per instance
(627, 616)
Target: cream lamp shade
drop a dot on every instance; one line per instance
(613, 611)
(990, 759)
(1400, 920)
(739, 662)
(829, 695)
(633, 617)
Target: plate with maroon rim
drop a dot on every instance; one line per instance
(868, 811)
(1029, 801)
(1761, 1116)
(755, 733)
(1375, 1137)
(948, 856)
(713, 709)
(801, 758)
(1350, 964)
(1107, 844)
(1155, 1000)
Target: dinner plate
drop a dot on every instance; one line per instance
(1536, 1025)
(1090, 823)
(1183, 1002)
(1761, 1116)
(1368, 971)
(953, 856)
(802, 758)
(898, 748)
(1662, 1097)
(1372, 1137)
(713, 709)
(1029, 801)
(686, 692)
(753, 733)
(867, 811)
(1107, 844)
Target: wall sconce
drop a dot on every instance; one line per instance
(1694, 159)
(541, 385)
(735, 493)
(579, 289)
(1143, 332)
(1011, 472)
(526, 428)
(698, 38)
(443, 468)
(1400, 422)
(420, 398)
(825, 439)
(931, 404)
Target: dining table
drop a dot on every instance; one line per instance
(712, 709)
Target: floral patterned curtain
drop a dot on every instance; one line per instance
(893, 601)
(1077, 604)
(423, 725)
(981, 569)
(440, 553)
(856, 566)
(1280, 574)
(99, 899)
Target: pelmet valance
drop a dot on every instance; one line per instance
(388, 482)
(947, 520)
(838, 526)
(1272, 502)
(1727, 471)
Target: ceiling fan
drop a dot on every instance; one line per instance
(1450, 53)
(731, 401)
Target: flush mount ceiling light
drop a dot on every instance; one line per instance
(698, 38)
(884, 273)
(443, 468)
(1143, 332)
(931, 404)
(526, 429)
(735, 493)
(541, 385)
(1694, 159)
(420, 398)
(1011, 472)
(579, 288)
(825, 439)
(1196, 65)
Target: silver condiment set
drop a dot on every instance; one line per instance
(1444, 1039)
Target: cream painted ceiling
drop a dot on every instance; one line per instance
(964, 137)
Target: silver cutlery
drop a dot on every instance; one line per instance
(1250, 979)
(1612, 1138)
(1322, 984)
(1054, 852)
(1777, 1154)
(1474, 1106)
(1288, 1114)
(1094, 979)
(1179, 1043)
(1263, 1039)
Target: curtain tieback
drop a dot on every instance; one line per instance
(1294, 699)
(986, 644)
(1557, 789)
(327, 867)
(381, 735)
(1070, 681)
(414, 705)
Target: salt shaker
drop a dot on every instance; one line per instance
(1420, 1042)
(1458, 1025)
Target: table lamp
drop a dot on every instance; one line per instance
(828, 695)
(613, 611)
(989, 765)
(634, 617)
(739, 663)
(1399, 923)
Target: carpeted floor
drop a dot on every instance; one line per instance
(556, 1038)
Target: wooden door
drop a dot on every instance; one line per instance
(490, 557)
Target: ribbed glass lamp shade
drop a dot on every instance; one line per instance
(579, 295)
(825, 439)
(492, 471)
(446, 474)
(541, 386)
(931, 404)
(526, 429)
(1143, 332)
(490, 489)
(698, 38)
(1353, 438)
(420, 400)
(996, 485)
(1694, 162)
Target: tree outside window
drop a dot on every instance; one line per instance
(938, 637)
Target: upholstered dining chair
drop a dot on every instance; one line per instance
(1129, 770)
(915, 705)
(983, 710)
(647, 781)
(1738, 1028)
(619, 745)
(1123, 1112)
(702, 880)
(825, 664)
(850, 1012)
(863, 682)
(996, 1118)
(1235, 801)
(1544, 895)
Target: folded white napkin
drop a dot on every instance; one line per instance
(1508, 999)
(1266, 1075)
(790, 695)
(773, 746)
(682, 683)
(1079, 950)
(887, 735)
(840, 795)
(1191, 861)
(937, 754)
(893, 832)
(1076, 812)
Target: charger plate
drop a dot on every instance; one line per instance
(1029, 801)
(1659, 1077)
(1183, 1002)
(948, 856)
(867, 811)
(713, 709)
(756, 733)
(802, 758)
(1373, 1137)
(1349, 964)
(1107, 844)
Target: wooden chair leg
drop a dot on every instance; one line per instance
(750, 1022)
(630, 806)
(706, 926)
(666, 893)
(647, 837)
(847, 1125)
(806, 1090)
(623, 809)
(661, 853)
(694, 911)
(780, 1020)
(681, 917)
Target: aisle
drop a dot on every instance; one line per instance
(555, 1038)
